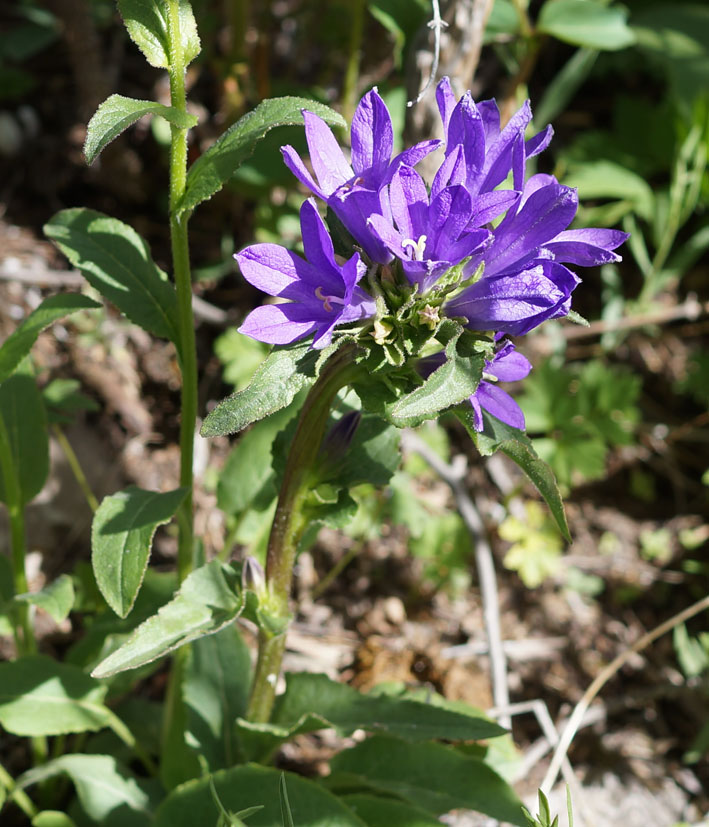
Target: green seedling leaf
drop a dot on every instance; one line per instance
(274, 386)
(286, 814)
(40, 696)
(63, 399)
(246, 786)
(586, 23)
(56, 599)
(217, 680)
(218, 164)
(121, 538)
(117, 262)
(102, 784)
(117, 113)
(496, 436)
(19, 343)
(207, 600)
(146, 21)
(312, 702)
(24, 445)
(430, 776)
(52, 818)
(378, 811)
(454, 381)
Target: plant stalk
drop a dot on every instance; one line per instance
(289, 523)
(183, 287)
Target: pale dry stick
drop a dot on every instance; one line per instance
(603, 677)
(437, 24)
(454, 475)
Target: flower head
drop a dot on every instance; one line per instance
(321, 292)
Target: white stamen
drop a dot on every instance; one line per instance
(417, 247)
(489, 377)
(327, 301)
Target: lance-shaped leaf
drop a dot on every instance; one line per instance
(218, 164)
(19, 343)
(243, 787)
(117, 262)
(455, 380)
(56, 599)
(586, 23)
(104, 787)
(497, 436)
(431, 776)
(312, 702)
(117, 113)
(24, 445)
(274, 385)
(208, 600)
(146, 21)
(121, 537)
(40, 696)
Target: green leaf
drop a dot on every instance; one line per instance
(23, 440)
(62, 399)
(377, 811)
(103, 787)
(243, 787)
(117, 113)
(248, 466)
(40, 696)
(312, 702)
(430, 776)
(455, 380)
(121, 537)
(586, 23)
(207, 600)
(146, 21)
(56, 599)
(286, 812)
(274, 386)
(216, 687)
(116, 261)
(496, 436)
(52, 818)
(19, 343)
(218, 164)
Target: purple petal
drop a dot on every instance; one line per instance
(445, 100)
(295, 164)
(510, 366)
(490, 114)
(329, 163)
(317, 243)
(451, 171)
(488, 205)
(411, 156)
(469, 244)
(545, 214)
(361, 306)
(409, 202)
(354, 207)
(449, 215)
(466, 128)
(498, 157)
(372, 137)
(588, 247)
(539, 142)
(500, 404)
(477, 411)
(385, 232)
(271, 324)
(269, 267)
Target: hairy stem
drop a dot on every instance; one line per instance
(183, 286)
(289, 523)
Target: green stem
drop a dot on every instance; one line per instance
(20, 797)
(75, 466)
(289, 523)
(24, 633)
(183, 286)
(349, 86)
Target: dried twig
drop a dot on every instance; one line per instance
(437, 24)
(603, 677)
(454, 476)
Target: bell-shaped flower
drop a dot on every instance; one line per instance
(351, 189)
(506, 366)
(427, 236)
(321, 293)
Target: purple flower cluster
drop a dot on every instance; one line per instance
(510, 236)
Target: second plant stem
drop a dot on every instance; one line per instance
(289, 523)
